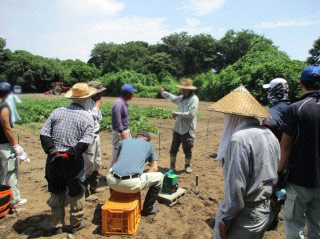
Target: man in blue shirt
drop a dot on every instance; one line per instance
(120, 118)
(127, 173)
(300, 150)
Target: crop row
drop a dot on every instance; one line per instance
(38, 110)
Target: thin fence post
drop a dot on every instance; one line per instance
(159, 144)
(208, 128)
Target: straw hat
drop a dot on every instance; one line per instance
(240, 102)
(187, 85)
(80, 91)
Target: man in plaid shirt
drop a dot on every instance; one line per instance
(65, 136)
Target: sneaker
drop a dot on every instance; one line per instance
(21, 202)
(91, 198)
(78, 227)
(151, 211)
(187, 168)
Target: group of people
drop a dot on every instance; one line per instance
(257, 158)
(261, 161)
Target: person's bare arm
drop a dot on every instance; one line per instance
(153, 167)
(5, 123)
(285, 147)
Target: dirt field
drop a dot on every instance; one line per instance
(187, 220)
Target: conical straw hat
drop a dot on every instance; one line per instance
(240, 102)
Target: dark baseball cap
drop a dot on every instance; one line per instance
(5, 88)
(311, 74)
(144, 134)
(128, 88)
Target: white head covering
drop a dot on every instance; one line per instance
(232, 123)
(84, 102)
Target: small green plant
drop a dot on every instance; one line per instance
(38, 110)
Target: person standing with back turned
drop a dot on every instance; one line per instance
(300, 151)
(120, 118)
(186, 122)
(65, 136)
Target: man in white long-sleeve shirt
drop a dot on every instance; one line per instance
(250, 155)
(186, 122)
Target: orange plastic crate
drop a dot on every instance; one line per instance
(121, 214)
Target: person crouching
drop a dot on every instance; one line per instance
(127, 173)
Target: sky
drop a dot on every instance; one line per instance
(69, 29)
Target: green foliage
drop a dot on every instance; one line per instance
(259, 66)
(314, 58)
(37, 111)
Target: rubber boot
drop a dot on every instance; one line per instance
(148, 205)
(187, 167)
(173, 160)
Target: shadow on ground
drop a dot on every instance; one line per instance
(34, 226)
(97, 218)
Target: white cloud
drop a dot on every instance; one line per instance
(78, 43)
(108, 7)
(291, 23)
(204, 7)
(192, 22)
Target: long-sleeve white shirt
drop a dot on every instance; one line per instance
(186, 120)
(250, 169)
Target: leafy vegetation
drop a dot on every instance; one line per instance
(38, 110)
(217, 66)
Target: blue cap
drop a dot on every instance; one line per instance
(128, 88)
(311, 73)
(5, 88)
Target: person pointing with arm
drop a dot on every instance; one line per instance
(186, 122)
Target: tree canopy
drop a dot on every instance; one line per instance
(217, 66)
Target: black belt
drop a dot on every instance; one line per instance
(125, 177)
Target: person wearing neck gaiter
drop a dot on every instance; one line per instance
(65, 136)
(277, 93)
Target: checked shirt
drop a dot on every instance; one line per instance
(68, 126)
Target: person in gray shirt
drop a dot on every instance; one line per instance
(186, 122)
(250, 155)
(127, 173)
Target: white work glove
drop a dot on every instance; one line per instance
(21, 155)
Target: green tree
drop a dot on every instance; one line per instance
(78, 71)
(235, 45)
(259, 66)
(314, 58)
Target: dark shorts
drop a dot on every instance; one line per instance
(187, 144)
(62, 175)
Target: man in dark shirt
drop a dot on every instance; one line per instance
(127, 173)
(120, 118)
(278, 98)
(300, 150)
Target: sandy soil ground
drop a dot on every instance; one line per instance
(189, 219)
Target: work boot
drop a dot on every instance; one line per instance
(78, 227)
(148, 205)
(173, 160)
(91, 198)
(187, 167)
